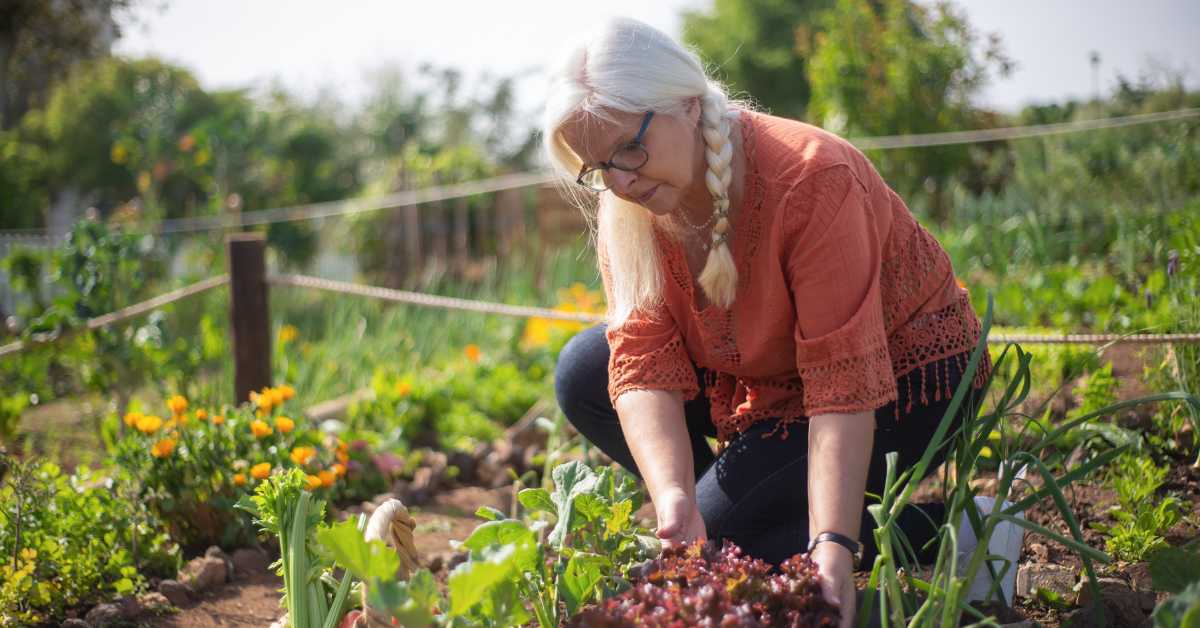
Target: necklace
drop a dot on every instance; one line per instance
(708, 223)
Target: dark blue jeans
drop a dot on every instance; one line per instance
(756, 492)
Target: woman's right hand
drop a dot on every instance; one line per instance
(679, 519)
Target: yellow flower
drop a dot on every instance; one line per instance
(143, 181)
(132, 418)
(288, 333)
(402, 389)
(312, 482)
(985, 452)
(473, 353)
(163, 448)
(339, 469)
(28, 554)
(265, 400)
(260, 428)
(239, 479)
(301, 455)
(201, 414)
(148, 424)
(178, 405)
(118, 154)
(218, 419)
(284, 424)
(327, 478)
(260, 471)
(286, 392)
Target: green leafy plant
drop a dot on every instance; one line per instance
(1141, 520)
(73, 540)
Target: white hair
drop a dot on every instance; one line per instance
(631, 67)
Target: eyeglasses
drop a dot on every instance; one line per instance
(628, 158)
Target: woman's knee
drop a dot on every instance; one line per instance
(581, 373)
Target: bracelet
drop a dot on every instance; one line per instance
(854, 546)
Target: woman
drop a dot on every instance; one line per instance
(766, 288)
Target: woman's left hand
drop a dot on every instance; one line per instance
(836, 567)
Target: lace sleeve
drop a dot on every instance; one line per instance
(833, 261)
(646, 352)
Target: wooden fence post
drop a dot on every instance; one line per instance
(249, 322)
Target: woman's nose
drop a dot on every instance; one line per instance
(620, 180)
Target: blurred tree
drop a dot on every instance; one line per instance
(896, 67)
(41, 40)
(760, 47)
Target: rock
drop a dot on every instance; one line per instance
(204, 573)
(75, 622)
(154, 601)
(1128, 607)
(218, 553)
(467, 465)
(1056, 578)
(1040, 552)
(106, 615)
(175, 591)
(248, 560)
(1116, 617)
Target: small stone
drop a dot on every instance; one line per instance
(154, 601)
(1055, 578)
(1125, 606)
(75, 622)
(105, 615)
(248, 560)
(218, 553)
(204, 573)
(175, 591)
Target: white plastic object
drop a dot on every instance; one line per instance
(1006, 541)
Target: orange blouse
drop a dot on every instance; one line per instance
(841, 294)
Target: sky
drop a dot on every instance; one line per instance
(306, 46)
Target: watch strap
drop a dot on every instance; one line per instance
(854, 546)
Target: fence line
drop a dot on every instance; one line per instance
(124, 314)
(430, 300)
(521, 311)
(346, 207)
(885, 142)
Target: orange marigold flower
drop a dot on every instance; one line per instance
(163, 448)
(132, 418)
(288, 333)
(284, 424)
(178, 405)
(201, 414)
(473, 352)
(239, 479)
(260, 428)
(218, 419)
(342, 456)
(327, 477)
(301, 455)
(312, 482)
(287, 392)
(402, 389)
(148, 424)
(277, 398)
(260, 471)
(339, 469)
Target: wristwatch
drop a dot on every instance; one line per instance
(854, 546)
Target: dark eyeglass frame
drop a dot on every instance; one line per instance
(636, 142)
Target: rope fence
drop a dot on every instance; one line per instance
(346, 207)
(123, 314)
(428, 300)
